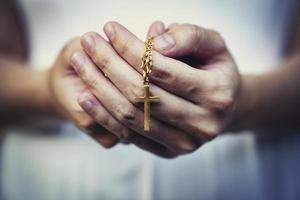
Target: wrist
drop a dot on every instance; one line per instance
(42, 98)
(246, 100)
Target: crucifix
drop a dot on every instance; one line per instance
(147, 100)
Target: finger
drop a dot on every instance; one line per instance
(153, 147)
(156, 28)
(97, 111)
(171, 26)
(171, 109)
(125, 112)
(189, 40)
(170, 74)
(87, 124)
(79, 116)
(102, 135)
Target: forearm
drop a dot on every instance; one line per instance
(270, 100)
(23, 92)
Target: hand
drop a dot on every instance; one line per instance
(196, 99)
(183, 50)
(66, 87)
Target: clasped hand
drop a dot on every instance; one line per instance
(193, 73)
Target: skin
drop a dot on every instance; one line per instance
(186, 117)
(201, 98)
(51, 92)
(93, 83)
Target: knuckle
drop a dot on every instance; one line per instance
(101, 59)
(211, 130)
(71, 46)
(95, 110)
(177, 117)
(218, 39)
(226, 103)
(205, 128)
(123, 47)
(195, 31)
(99, 117)
(127, 115)
(81, 71)
(192, 28)
(134, 91)
(90, 79)
(223, 101)
(103, 121)
(192, 91)
(126, 135)
(161, 74)
(83, 123)
(103, 136)
(185, 147)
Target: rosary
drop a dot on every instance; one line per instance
(147, 99)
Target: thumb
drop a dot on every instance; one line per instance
(189, 40)
(156, 28)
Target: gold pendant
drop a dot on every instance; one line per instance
(147, 100)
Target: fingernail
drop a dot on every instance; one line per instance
(86, 105)
(109, 31)
(164, 42)
(88, 42)
(77, 60)
(156, 29)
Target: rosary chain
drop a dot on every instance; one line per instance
(147, 60)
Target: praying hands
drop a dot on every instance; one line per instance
(193, 74)
(95, 83)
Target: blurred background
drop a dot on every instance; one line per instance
(51, 159)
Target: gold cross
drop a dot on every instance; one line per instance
(147, 100)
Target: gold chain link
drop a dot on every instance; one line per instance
(147, 60)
